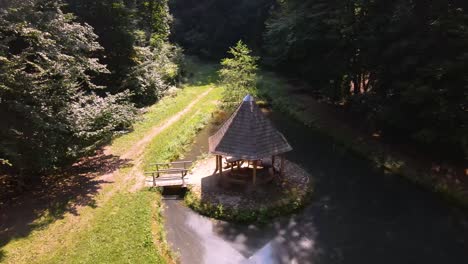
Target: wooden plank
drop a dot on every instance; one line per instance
(221, 167)
(167, 171)
(254, 172)
(282, 166)
(177, 182)
(182, 161)
(169, 176)
(171, 163)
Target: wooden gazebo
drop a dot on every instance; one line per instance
(250, 136)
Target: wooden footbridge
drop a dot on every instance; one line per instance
(169, 174)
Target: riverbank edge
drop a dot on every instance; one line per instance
(380, 159)
(261, 213)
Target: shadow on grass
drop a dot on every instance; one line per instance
(56, 196)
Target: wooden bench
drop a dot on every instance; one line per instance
(169, 174)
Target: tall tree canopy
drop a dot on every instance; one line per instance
(210, 27)
(134, 35)
(400, 63)
(51, 109)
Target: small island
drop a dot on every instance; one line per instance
(246, 178)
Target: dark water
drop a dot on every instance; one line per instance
(357, 215)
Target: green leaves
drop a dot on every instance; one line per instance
(51, 113)
(238, 74)
(402, 64)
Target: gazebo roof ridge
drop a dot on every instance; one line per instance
(248, 134)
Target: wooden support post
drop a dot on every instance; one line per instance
(273, 163)
(254, 180)
(282, 166)
(220, 166)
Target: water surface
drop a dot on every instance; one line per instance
(357, 215)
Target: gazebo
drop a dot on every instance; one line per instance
(248, 135)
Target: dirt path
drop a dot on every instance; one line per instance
(135, 153)
(137, 149)
(90, 182)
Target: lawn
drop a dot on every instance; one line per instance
(120, 233)
(168, 106)
(123, 226)
(174, 141)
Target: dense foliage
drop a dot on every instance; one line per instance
(209, 27)
(399, 65)
(51, 112)
(402, 64)
(238, 74)
(71, 71)
(134, 35)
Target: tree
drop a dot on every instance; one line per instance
(52, 111)
(208, 28)
(238, 74)
(134, 34)
(401, 65)
(156, 69)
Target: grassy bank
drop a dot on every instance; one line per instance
(174, 141)
(275, 90)
(121, 232)
(120, 225)
(168, 106)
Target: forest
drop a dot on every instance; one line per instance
(399, 65)
(93, 93)
(73, 75)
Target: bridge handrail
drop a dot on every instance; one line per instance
(157, 173)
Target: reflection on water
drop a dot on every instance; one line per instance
(357, 215)
(203, 240)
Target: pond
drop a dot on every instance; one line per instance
(357, 215)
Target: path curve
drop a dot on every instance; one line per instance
(135, 153)
(104, 177)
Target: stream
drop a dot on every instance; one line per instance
(357, 215)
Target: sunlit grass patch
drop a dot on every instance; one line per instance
(121, 233)
(121, 226)
(172, 142)
(202, 77)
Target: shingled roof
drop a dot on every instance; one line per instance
(248, 134)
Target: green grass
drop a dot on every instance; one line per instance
(123, 226)
(121, 233)
(270, 88)
(174, 141)
(203, 78)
